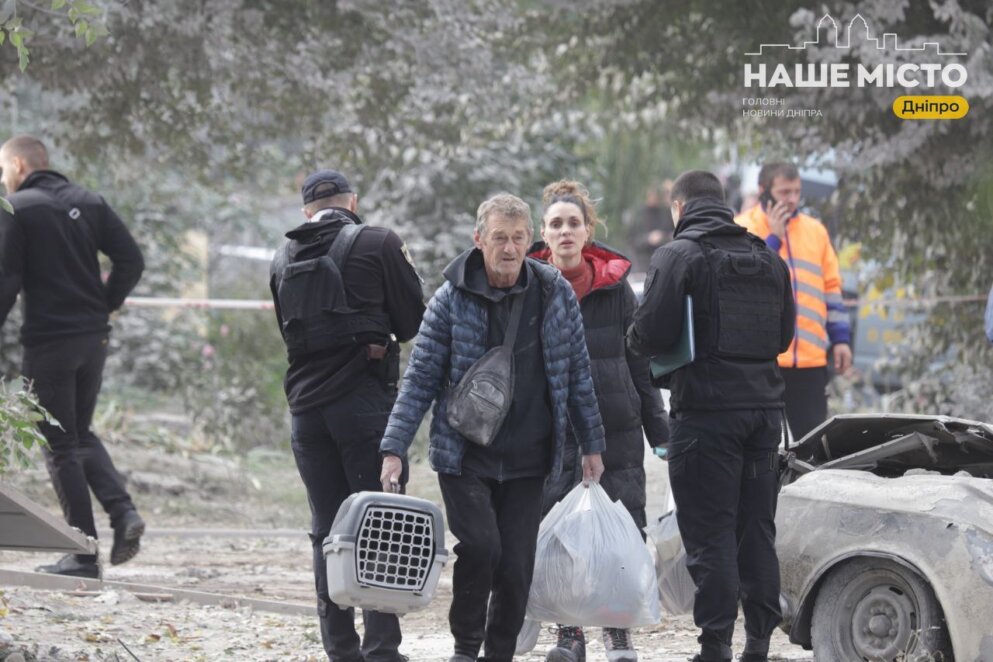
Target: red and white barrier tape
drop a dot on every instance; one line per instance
(911, 301)
(205, 304)
(263, 304)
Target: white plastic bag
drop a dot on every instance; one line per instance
(676, 588)
(527, 638)
(591, 566)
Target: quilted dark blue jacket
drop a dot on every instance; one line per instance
(453, 336)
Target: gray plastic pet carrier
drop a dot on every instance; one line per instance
(385, 552)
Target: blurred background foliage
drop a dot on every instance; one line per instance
(197, 120)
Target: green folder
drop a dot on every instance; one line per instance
(682, 353)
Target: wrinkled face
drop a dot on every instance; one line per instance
(504, 246)
(786, 190)
(564, 230)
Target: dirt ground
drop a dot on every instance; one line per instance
(263, 552)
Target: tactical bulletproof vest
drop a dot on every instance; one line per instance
(746, 300)
(312, 302)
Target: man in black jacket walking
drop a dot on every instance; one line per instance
(48, 248)
(726, 408)
(341, 289)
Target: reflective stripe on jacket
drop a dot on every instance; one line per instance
(821, 318)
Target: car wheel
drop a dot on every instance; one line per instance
(878, 611)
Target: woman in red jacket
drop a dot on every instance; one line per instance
(628, 402)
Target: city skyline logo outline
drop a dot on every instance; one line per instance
(868, 37)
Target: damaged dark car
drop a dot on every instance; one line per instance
(885, 539)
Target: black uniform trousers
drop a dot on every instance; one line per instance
(336, 448)
(724, 477)
(66, 375)
(496, 523)
(806, 399)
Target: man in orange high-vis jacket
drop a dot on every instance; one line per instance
(821, 319)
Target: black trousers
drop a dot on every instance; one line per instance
(336, 448)
(496, 524)
(66, 375)
(806, 399)
(723, 472)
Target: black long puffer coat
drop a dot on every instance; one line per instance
(628, 401)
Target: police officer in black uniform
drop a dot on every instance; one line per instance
(49, 248)
(345, 293)
(726, 408)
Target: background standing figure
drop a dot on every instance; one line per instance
(652, 226)
(49, 248)
(726, 424)
(628, 402)
(340, 290)
(821, 318)
(493, 493)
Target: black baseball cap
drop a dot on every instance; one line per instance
(324, 184)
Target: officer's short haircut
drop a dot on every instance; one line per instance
(30, 149)
(502, 204)
(341, 200)
(774, 169)
(697, 184)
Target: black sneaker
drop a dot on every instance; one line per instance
(70, 566)
(571, 646)
(127, 538)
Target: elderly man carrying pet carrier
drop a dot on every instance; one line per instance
(500, 429)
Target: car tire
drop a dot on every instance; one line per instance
(877, 610)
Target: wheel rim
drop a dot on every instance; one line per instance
(884, 619)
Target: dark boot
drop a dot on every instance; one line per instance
(127, 537)
(70, 565)
(756, 650)
(571, 646)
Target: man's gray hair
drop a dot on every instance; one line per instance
(341, 200)
(503, 204)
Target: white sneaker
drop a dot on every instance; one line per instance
(618, 645)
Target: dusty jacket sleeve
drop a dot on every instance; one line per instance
(125, 257)
(658, 321)
(403, 294)
(425, 376)
(11, 262)
(653, 416)
(584, 410)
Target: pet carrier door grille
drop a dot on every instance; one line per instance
(394, 548)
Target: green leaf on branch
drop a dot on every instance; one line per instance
(4, 202)
(85, 8)
(81, 28)
(58, 4)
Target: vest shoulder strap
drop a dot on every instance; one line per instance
(342, 244)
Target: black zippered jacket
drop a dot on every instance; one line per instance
(631, 408)
(378, 277)
(710, 382)
(49, 248)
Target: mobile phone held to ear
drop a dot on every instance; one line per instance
(767, 201)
